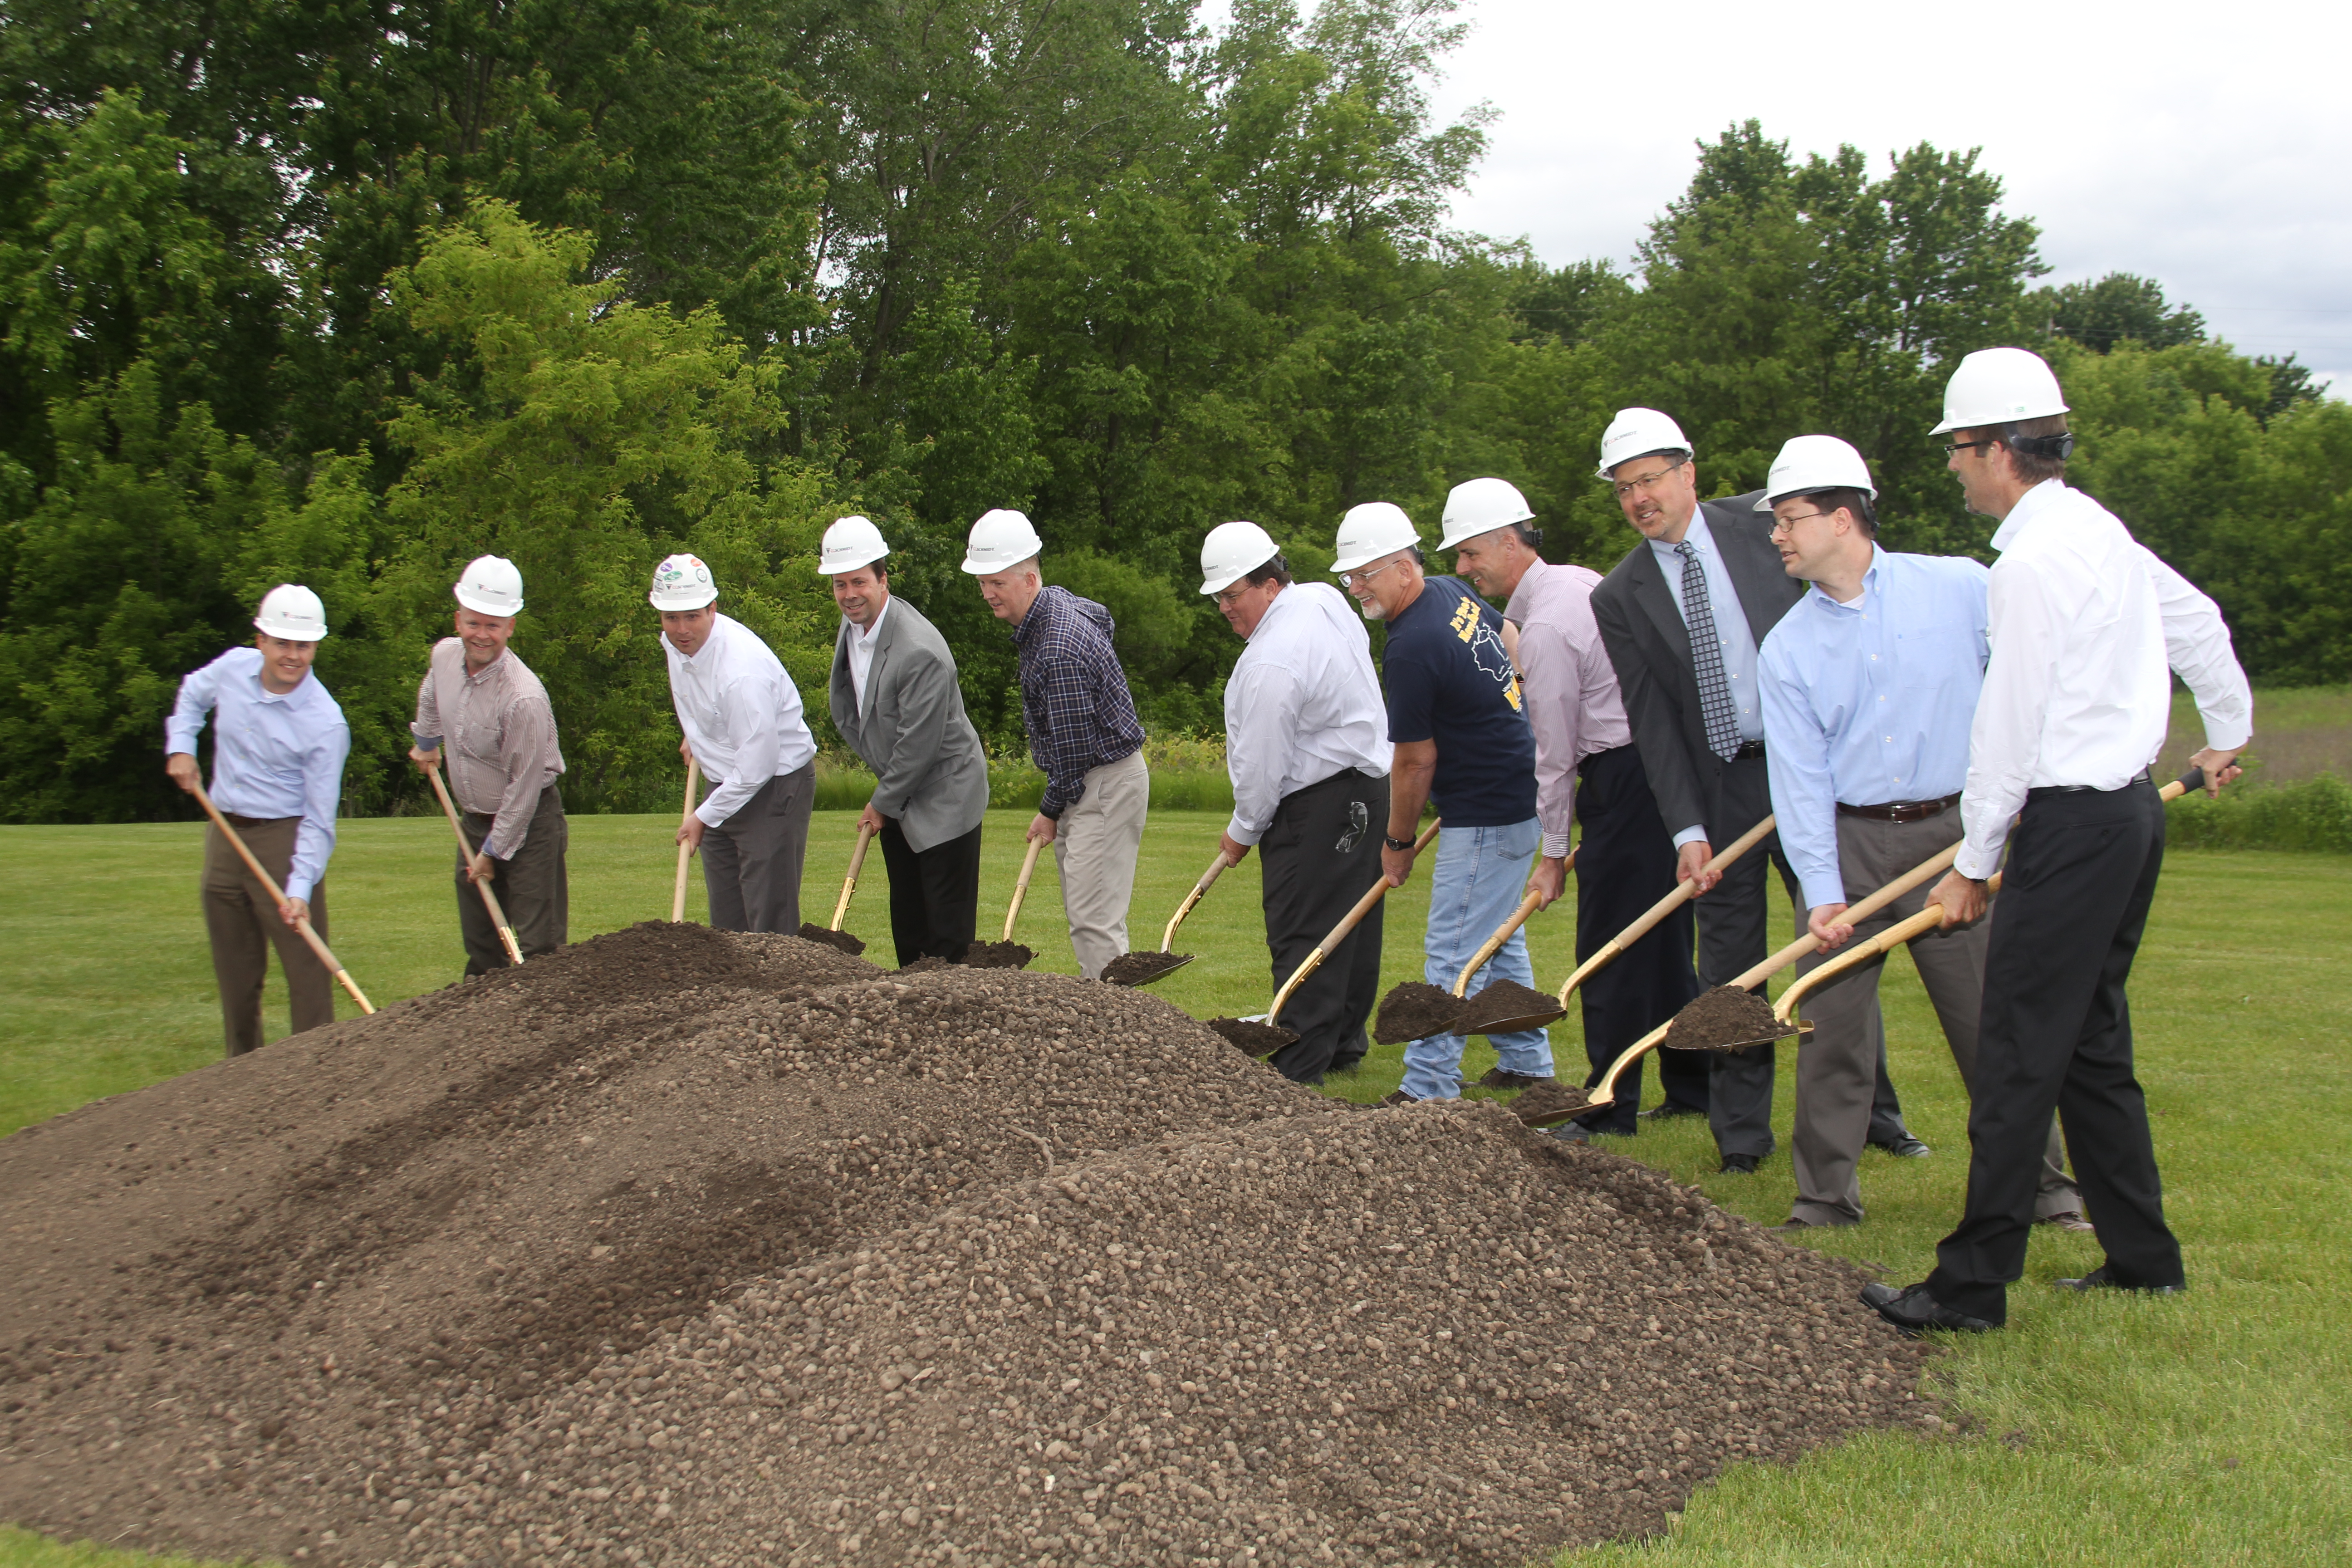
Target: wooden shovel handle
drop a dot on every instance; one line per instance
(1020, 888)
(684, 851)
(1339, 934)
(466, 854)
(1494, 944)
(849, 883)
(277, 896)
(1684, 891)
(1208, 878)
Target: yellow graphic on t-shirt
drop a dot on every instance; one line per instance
(1487, 650)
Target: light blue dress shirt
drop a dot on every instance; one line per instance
(273, 756)
(1870, 702)
(1732, 636)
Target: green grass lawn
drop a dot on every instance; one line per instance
(2216, 1428)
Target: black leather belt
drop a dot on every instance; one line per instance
(1747, 749)
(2142, 777)
(1900, 810)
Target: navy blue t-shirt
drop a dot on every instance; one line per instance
(1450, 680)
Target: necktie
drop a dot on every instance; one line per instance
(1715, 704)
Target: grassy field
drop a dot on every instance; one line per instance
(2212, 1428)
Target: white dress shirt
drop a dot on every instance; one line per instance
(861, 652)
(1732, 634)
(2085, 622)
(275, 756)
(1573, 701)
(741, 714)
(1301, 703)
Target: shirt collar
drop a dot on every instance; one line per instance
(1698, 536)
(1869, 586)
(1022, 629)
(484, 673)
(2029, 505)
(866, 633)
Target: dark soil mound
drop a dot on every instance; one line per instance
(812, 932)
(1254, 1039)
(996, 955)
(1505, 1001)
(1723, 1018)
(1416, 1011)
(1142, 968)
(1549, 1104)
(779, 1258)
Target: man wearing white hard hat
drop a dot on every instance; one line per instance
(1682, 616)
(1869, 684)
(481, 710)
(1587, 772)
(1306, 747)
(2087, 628)
(894, 700)
(1458, 721)
(279, 745)
(745, 725)
(1083, 733)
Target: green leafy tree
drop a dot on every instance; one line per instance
(2118, 308)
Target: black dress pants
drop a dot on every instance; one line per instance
(2056, 1031)
(1731, 941)
(1625, 863)
(934, 894)
(1319, 855)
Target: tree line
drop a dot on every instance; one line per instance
(349, 294)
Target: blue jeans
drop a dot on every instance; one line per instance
(1475, 884)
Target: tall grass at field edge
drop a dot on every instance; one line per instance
(1188, 773)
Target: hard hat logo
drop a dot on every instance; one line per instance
(682, 582)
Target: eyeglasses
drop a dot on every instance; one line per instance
(1628, 486)
(1952, 446)
(1781, 524)
(1226, 598)
(1350, 579)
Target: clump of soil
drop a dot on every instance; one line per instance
(1549, 1104)
(1725, 1018)
(1416, 1011)
(996, 955)
(679, 1248)
(1142, 968)
(1503, 1002)
(812, 932)
(1252, 1037)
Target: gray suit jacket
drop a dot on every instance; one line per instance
(930, 771)
(1650, 647)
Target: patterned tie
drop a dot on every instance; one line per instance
(1714, 703)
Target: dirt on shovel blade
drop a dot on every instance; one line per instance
(840, 940)
(1257, 1039)
(1723, 1019)
(1503, 1000)
(1142, 968)
(1549, 1104)
(997, 956)
(1416, 1011)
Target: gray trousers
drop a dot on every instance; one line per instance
(1095, 844)
(1838, 1068)
(241, 921)
(532, 887)
(751, 862)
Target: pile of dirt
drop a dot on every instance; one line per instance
(1414, 1010)
(1549, 1104)
(840, 939)
(1506, 1002)
(682, 1248)
(997, 956)
(1142, 968)
(1722, 1019)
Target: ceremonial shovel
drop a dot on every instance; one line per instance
(466, 853)
(277, 896)
(833, 935)
(1143, 968)
(1467, 1018)
(684, 851)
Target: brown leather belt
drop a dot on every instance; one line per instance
(236, 821)
(1901, 810)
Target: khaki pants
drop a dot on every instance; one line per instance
(532, 888)
(1095, 846)
(241, 921)
(1837, 1069)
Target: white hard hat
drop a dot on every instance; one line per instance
(1994, 386)
(1000, 539)
(1369, 532)
(1232, 551)
(1810, 463)
(683, 583)
(849, 544)
(1637, 433)
(293, 612)
(1481, 506)
(490, 585)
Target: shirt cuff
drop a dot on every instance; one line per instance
(298, 889)
(1691, 836)
(1976, 863)
(702, 813)
(425, 742)
(1824, 893)
(1244, 837)
(2229, 739)
(1555, 846)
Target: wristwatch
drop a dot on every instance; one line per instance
(1398, 844)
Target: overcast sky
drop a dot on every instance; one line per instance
(2207, 147)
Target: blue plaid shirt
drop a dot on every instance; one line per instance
(1073, 694)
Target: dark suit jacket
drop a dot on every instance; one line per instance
(1646, 641)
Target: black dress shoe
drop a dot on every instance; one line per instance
(1914, 1312)
(1738, 1165)
(1669, 1111)
(2100, 1279)
(1903, 1146)
(1498, 1078)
